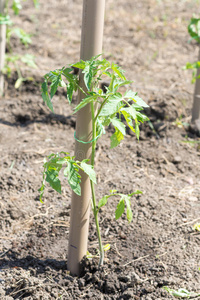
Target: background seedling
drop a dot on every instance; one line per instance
(107, 107)
(194, 31)
(181, 293)
(11, 61)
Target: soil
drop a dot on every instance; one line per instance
(159, 248)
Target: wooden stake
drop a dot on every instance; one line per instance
(2, 47)
(196, 101)
(91, 45)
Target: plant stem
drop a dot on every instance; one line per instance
(95, 210)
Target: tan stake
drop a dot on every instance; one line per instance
(91, 45)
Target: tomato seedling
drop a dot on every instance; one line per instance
(108, 106)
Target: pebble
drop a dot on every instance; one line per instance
(177, 159)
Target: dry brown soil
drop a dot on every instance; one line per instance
(159, 248)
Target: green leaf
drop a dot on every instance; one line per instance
(118, 71)
(129, 213)
(138, 192)
(85, 101)
(54, 85)
(53, 180)
(128, 119)
(120, 209)
(119, 125)
(137, 130)
(73, 177)
(103, 201)
(18, 82)
(112, 105)
(116, 138)
(133, 96)
(79, 65)
(181, 293)
(70, 89)
(24, 37)
(16, 6)
(29, 60)
(5, 19)
(130, 111)
(141, 118)
(45, 96)
(36, 3)
(140, 101)
(194, 29)
(88, 75)
(88, 169)
(113, 191)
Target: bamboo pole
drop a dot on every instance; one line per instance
(2, 47)
(196, 100)
(91, 45)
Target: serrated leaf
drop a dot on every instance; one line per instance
(118, 71)
(79, 65)
(141, 118)
(73, 177)
(53, 180)
(88, 169)
(112, 105)
(103, 201)
(116, 138)
(54, 85)
(128, 119)
(120, 209)
(70, 89)
(45, 96)
(85, 101)
(88, 76)
(119, 125)
(133, 96)
(130, 110)
(129, 213)
(140, 101)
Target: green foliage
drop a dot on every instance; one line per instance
(181, 293)
(194, 31)
(54, 164)
(13, 61)
(109, 106)
(17, 61)
(125, 201)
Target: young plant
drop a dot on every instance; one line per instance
(181, 293)
(108, 106)
(194, 32)
(13, 61)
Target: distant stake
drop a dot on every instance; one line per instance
(2, 46)
(91, 45)
(196, 101)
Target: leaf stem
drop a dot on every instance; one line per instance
(99, 111)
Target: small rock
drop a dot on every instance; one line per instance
(177, 159)
(81, 282)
